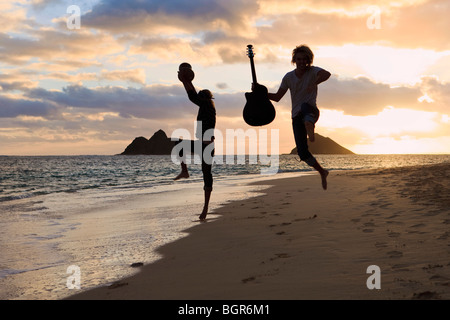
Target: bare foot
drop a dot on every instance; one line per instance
(324, 175)
(183, 174)
(204, 213)
(310, 130)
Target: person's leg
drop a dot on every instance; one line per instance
(184, 170)
(303, 151)
(310, 117)
(205, 206)
(207, 180)
(301, 142)
(310, 130)
(323, 174)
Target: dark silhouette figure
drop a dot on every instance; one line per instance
(207, 117)
(302, 83)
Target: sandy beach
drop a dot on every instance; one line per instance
(297, 241)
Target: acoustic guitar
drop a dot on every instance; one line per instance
(258, 110)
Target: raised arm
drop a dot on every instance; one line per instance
(277, 96)
(186, 83)
(322, 76)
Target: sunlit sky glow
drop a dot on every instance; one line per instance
(94, 89)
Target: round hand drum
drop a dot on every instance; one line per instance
(185, 72)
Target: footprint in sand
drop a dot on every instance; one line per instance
(280, 256)
(395, 222)
(304, 219)
(369, 227)
(371, 213)
(433, 266)
(395, 254)
(254, 217)
(444, 236)
(393, 216)
(426, 295)
(393, 234)
(385, 205)
(249, 279)
(259, 277)
(400, 267)
(432, 213)
(381, 244)
(418, 225)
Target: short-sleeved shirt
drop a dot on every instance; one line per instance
(206, 114)
(298, 88)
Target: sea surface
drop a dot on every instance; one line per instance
(94, 216)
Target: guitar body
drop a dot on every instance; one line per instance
(258, 110)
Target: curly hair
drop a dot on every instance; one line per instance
(303, 49)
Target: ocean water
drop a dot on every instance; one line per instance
(28, 177)
(100, 214)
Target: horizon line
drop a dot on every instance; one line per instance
(293, 154)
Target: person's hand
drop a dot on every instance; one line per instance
(181, 76)
(255, 86)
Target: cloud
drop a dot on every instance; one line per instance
(355, 96)
(42, 4)
(11, 108)
(439, 92)
(176, 15)
(412, 25)
(49, 44)
(13, 16)
(149, 102)
(78, 113)
(222, 85)
(134, 76)
(361, 96)
(155, 102)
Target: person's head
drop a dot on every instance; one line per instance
(302, 56)
(205, 94)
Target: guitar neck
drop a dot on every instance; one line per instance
(252, 65)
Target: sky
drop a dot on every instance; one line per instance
(89, 83)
